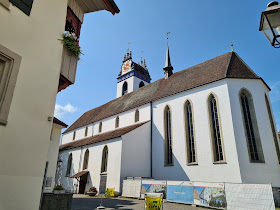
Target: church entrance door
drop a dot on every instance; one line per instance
(103, 183)
(83, 182)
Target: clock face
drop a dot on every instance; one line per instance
(126, 67)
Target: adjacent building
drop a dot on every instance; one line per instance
(34, 66)
(212, 122)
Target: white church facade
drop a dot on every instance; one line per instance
(211, 122)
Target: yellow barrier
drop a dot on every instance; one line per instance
(110, 192)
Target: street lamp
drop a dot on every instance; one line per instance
(270, 23)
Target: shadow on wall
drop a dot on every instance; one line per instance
(89, 183)
(175, 172)
(61, 179)
(93, 203)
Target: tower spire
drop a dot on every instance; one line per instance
(168, 68)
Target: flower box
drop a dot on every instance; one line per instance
(91, 193)
(58, 191)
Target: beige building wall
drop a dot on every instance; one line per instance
(52, 157)
(26, 137)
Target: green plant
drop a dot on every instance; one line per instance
(70, 41)
(92, 189)
(58, 187)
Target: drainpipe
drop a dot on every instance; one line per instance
(151, 114)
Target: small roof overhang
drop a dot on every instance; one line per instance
(79, 174)
(95, 5)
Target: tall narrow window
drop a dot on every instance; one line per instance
(124, 88)
(85, 165)
(168, 137)
(191, 147)
(217, 143)
(136, 119)
(141, 84)
(117, 124)
(86, 131)
(74, 135)
(251, 127)
(272, 128)
(100, 127)
(104, 160)
(69, 165)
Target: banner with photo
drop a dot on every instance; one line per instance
(209, 194)
(153, 186)
(180, 191)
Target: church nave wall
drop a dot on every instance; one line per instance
(205, 169)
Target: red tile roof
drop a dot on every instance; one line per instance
(100, 137)
(228, 65)
(79, 174)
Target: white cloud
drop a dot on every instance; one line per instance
(62, 110)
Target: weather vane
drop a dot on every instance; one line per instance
(142, 55)
(232, 46)
(167, 34)
(128, 47)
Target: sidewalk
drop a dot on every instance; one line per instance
(84, 202)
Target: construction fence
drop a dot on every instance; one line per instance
(218, 195)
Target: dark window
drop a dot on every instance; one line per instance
(124, 88)
(117, 124)
(251, 129)
(168, 137)
(141, 84)
(23, 5)
(104, 160)
(73, 24)
(272, 128)
(136, 115)
(100, 127)
(69, 165)
(217, 144)
(86, 131)
(85, 165)
(74, 135)
(191, 150)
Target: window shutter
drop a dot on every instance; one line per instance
(23, 5)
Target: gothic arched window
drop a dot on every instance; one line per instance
(104, 160)
(100, 127)
(117, 124)
(136, 119)
(251, 127)
(69, 165)
(85, 165)
(191, 146)
(274, 133)
(74, 135)
(141, 84)
(168, 136)
(215, 126)
(124, 88)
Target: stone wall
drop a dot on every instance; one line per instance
(57, 201)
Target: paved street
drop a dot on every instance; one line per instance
(83, 202)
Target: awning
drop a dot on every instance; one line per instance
(79, 174)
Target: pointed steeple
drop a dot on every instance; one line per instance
(168, 68)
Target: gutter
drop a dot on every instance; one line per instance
(112, 6)
(151, 113)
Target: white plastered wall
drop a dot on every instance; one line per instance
(132, 85)
(108, 124)
(268, 172)
(136, 152)
(205, 170)
(94, 165)
(25, 139)
(52, 155)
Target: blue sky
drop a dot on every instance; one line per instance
(200, 30)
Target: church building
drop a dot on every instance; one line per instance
(212, 122)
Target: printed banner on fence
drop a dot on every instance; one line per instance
(209, 194)
(181, 192)
(249, 196)
(153, 186)
(131, 188)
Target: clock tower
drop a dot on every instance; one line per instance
(132, 76)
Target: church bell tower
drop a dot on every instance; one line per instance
(132, 76)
